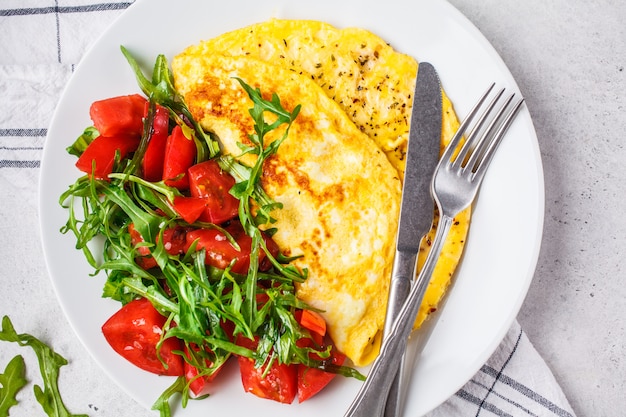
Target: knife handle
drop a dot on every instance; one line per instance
(403, 273)
(398, 390)
(402, 276)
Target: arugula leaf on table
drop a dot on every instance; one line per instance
(50, 363)
(11, 382)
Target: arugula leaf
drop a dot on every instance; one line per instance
(81, 143)
(161, 89)
(248, 188)
(11, 382)
(162, 404)
(50, 363)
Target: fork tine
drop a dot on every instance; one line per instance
(482, 143)
(458, 136)
(474, 138)
(480, 160)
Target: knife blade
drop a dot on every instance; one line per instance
(417, 206)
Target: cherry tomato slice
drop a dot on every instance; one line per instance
(102, 151)
(134, 331)
(197, 384)
(313, 321)
(189, 208)
(207, 180)
(180, 154)
(220, 252)
(173, 241)
(119, 116)
(312, 380)
(145, 260)
(154, 157)
(278, 384)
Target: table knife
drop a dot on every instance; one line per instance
(417, 206)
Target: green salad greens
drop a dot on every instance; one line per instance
(196, 298)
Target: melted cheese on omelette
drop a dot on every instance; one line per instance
(372, 85)
(339, 192)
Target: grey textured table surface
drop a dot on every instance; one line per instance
(569, 59)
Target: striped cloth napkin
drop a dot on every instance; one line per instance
(42, 41)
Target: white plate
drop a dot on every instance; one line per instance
(505, 234)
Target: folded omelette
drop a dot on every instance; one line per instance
(339, 173)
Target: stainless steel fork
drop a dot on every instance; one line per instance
(455, 184)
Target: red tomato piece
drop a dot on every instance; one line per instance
(279, 384)
(173, 241)
(189, 208)
(119, 116)
(272, 247)
(313, 321)
(220, 252)
(229, 328)
(180, 154)
(134, 331)
(207, 180)
(102, 151)
(145, 260)
(312, 380)
(197, 384)
(154, 157)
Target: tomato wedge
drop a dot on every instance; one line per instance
(154, 157)
(102, 151)
(313, 321)
(211, 183)
(220, 252)
(279, 383)
(173, 241)
(134, 331)
(180, 154)
(145, 260)
(196, 383)
(189, 208)
(119, 116)
(312, 380)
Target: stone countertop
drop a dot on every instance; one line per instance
(569, 60)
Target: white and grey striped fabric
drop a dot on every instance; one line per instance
(40, 43)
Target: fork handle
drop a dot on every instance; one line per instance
(403, 275)
(372, 397)
(397, 393)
